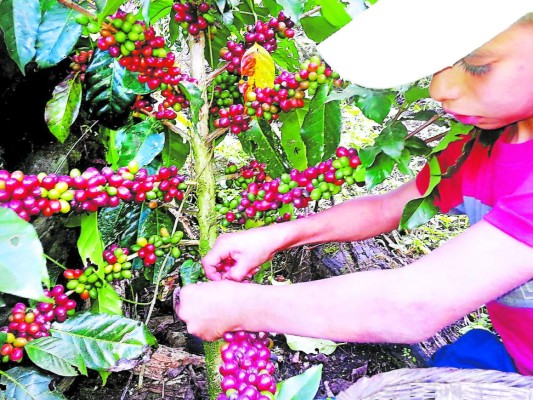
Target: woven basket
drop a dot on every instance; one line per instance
(441, 384)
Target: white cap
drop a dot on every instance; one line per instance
(396, 42)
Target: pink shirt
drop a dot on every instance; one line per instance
(499, 189)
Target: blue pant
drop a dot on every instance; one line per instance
(477, 348)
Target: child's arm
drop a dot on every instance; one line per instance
(403, 305)
(356, 219)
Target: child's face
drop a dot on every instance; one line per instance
(493, 86)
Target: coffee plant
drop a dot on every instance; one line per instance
(161, 83)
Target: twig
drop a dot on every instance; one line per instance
(311, 12)
(74, 145)
(215, 134)
(209, 78)
(436, 137)
(125, 391)
(152, 305)
(424, 126)
(154, 298)
(54, 261)
(400, 112)
(76, 7)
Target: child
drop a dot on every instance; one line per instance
(484, 73)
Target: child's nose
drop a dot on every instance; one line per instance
(445, 85)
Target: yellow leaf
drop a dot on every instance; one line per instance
(257, 64)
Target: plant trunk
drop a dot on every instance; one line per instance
(202, 152)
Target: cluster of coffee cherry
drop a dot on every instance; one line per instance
(86, 281)
(246, 367)
(83, 282)
(80, 61)
(288, 93)
(140, 50)
(314, 72)
(254, 171)
(142, 103)
(149, 249)
(261, 199)
(262, 33)
(26, 324)
(49, 194)
(224, 91)
(234, 118)
(193, 17)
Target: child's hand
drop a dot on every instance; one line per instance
(207, 308)
(248, 249)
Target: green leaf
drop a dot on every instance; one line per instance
(291, 141)
(106, 342)
(391, 140)
(311, 345)
(334, 12)
(153, 222)
(417, 146)
(376, 105)
(3, 335)
(57, 36)
(435, 175)
(130, 82)
(28, 384)
(141, 142)
(100, 4)
(317, 28)
(111, 6)
(159, 9)
(301, 387)
(176, 150)
(212, 47)
(457, 132)
(62, 109)
(247, 13)
(108, 97)
(424, 115)
(415, 93)
(418, 212)
(21, 250)
(292, 8)
(332, 128)
(272, 6)
(122, 223)
(379, 171)
(56, 356)
(368, 155)
(403, 162)
(162, 267)
(108, 301)
(190, 272)
(193, 93)
(313, 128)
(350, 91)
(286, 55)
(90, 244)
(255, 142)
(19, 20)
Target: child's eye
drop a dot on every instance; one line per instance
(474, 69)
